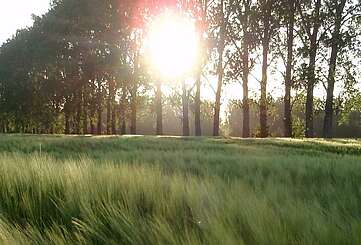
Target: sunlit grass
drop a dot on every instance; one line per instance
(148, 190)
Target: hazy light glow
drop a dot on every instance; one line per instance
(173, 45)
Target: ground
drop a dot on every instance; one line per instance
(169, 190)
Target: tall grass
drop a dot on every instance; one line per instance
(147, 190)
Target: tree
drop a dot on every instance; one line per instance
(290, 19)
(243, 38)
(223, 20)
(311, 25)
(336, 9)
(81, 69)
(268, 27)
(202, 29)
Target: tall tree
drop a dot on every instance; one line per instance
(202, 30)
(221, 42)
(268, 26)
(243, 35)
(290, 22)
(311, 25)
(220, 71)
(244, 17)
(336, 40)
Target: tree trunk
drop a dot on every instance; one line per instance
(197, 105)
(289, 68)
(85, 122)
(133, 113)
(197, 102)
(99, 109)
(309, 99)
(99, 123)
(327, 125)
(85, 114)
(92, 126)
(85, 104)
(110, 107)
(309, 132)
(265, 47)
(114, 119)
(109, 113)
(122, 119)
(91, 118)
(3, 130)
(159, 109)
(185, 104)
(66, 118)
(79, 99)
(134, 99)
(245, 75)
(220, 71)
(6, 127)
(67, 124)
(217, 106)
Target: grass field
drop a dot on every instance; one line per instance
(148, 190)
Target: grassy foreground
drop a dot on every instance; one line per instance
(148, 190)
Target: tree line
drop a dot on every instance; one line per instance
(81, 69)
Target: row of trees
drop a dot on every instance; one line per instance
(81, 68)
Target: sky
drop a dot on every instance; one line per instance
(16, 14)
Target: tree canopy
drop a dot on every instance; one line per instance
(82, 68)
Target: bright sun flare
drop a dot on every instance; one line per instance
(173, 45)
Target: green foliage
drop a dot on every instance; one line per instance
(149, 190)
(85, 61)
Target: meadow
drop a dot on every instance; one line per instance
(169, 190)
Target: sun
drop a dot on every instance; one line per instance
(173, 45)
